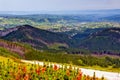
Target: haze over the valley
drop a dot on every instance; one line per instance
(55, 6)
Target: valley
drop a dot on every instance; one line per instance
(88, 41)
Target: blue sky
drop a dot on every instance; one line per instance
(57, 5)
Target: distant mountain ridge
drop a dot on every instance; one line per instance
(104, 40)
(35, 37)
(106, 11)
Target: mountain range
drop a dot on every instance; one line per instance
(111, 11)
(103, 40)
(99, 40)
(33, 36)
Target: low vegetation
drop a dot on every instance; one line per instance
(76, 59)
(84, 59)
(10, 70)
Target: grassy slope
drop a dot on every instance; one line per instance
(80, 60)
(7, 53)
(60, 57)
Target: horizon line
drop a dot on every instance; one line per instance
(56, 10)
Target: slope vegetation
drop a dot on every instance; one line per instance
(36, 37)
(104, 40)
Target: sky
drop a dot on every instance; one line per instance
(57, 5)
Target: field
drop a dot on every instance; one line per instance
(10, 70)
(56, 23)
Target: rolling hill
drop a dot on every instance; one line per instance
(99, 40)
(35, 37)
(17, 46)
(103, 40)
